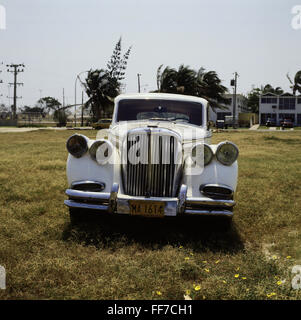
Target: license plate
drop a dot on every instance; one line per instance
(147, 208)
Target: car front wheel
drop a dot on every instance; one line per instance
(226, 223)
(76, 216)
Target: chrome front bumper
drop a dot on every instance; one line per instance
(182, 205)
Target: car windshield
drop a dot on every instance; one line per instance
(163, 110)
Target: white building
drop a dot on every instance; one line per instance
(241, 107)
(279, 107)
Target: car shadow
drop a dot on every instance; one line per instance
(196, 233)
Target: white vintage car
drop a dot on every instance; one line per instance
(155, 160)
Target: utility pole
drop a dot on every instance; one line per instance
(77, 78)
(16, 68)
(63, 97)
(0, 72)
(139, 75)
(234, 83)
(8, 97)
(1, 81)
(82, 120)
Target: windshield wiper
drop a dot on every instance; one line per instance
(158, 119)
(178, 118)
(167, 119)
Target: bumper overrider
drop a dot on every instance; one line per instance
(177, 206)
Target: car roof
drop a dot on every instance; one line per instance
(161, 96)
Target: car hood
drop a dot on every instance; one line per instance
(188, 133)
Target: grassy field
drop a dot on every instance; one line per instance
(278, 128)
(108, 258)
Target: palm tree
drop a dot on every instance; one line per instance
(101, 89)
(181, 81)
(209, 86)
(278, 90)
(269, 89)
(167, 80)
(296, 84)
(187, 81)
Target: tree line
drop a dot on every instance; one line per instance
(254, 95)
(104, 84)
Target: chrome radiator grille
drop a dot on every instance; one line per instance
(153, 164)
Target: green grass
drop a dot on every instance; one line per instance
(125, 258)
(278, 128)
(36, 125)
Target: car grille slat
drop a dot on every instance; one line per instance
(172, 162)
(157, 177)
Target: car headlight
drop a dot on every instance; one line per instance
(226, 153)
(101, 151)
(202, 150)
(77, 145)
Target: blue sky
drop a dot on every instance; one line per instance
(57, 39)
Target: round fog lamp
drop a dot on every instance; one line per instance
(202, 150)
(101, 151)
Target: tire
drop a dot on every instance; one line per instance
(76, 216)
(227, 223)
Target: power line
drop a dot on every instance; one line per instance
(82, 117)
(16, 68)
(1, 79)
